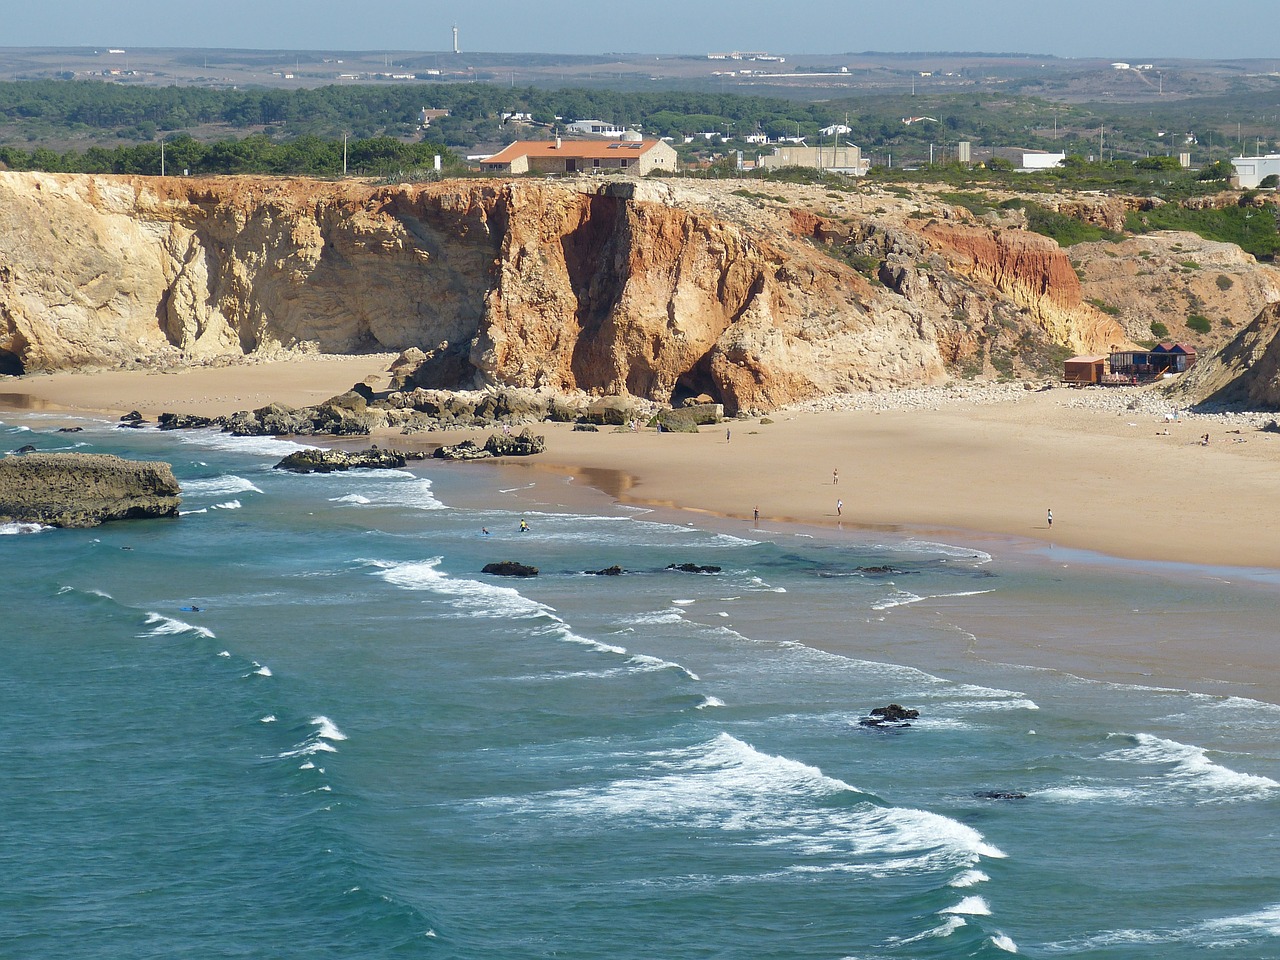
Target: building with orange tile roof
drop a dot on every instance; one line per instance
(636, 157)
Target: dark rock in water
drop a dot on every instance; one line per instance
(999, 795)
(182, 421)
(84, 489)
(692, 568)
(894, 715)
(328, 461)
(613, 571)
(895, 712)
(132, 416)
(70, 429)
(881, 571)
(509, 568)
(24, 450)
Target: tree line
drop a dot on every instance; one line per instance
(306, 155)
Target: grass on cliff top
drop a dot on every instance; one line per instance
(1067, 231)
(1253, 229)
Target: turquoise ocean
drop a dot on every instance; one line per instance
(299, 722)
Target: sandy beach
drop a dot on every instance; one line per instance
(976, 462)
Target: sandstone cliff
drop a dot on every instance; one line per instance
(659, 290)
(1245, 373)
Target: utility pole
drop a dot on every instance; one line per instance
(344, 154)
(162, 158)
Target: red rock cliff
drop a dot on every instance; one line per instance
(608, 288)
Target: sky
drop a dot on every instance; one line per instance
(1143, 30)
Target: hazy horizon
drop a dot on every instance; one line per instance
(1145, 30)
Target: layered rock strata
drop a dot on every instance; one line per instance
(633, 289)
(84, 489)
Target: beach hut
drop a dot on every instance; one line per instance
(1131, 364)
(1084, 369)
(1182, 357)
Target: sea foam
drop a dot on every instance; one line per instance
(226, 485)
(162, 626)
(727, 785)
(15, 529)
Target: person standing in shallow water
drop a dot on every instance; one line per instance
(839, 508)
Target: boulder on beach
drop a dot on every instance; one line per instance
(85, 489)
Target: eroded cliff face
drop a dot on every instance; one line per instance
(654, 289)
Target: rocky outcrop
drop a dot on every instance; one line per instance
(1035, 274)
(1245, 373)
(693, 568)
(84, 489)
(894, 715)
(509, 568)
(659, 292)
(1172, 276)
(315, 460)
(524, 445)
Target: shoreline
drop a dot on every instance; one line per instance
(898, 457)
(1122, 477)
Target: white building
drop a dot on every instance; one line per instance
(846, 158)
(595, 128)
(836, 129)
(1042, 161)
(1251, 171)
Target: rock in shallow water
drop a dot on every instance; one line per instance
(85, 489)
(328, 461)
(509, 568)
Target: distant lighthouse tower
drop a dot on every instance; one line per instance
(455, 39)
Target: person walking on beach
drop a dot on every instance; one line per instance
(839, 508)
(756, 514)
(726, 435)
(835, 476)
(1051, 518)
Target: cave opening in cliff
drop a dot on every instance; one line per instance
(11, 364)
(697, 382)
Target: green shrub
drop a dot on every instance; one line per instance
(1224, 282)
(1159, 330)
(1250, 228)
(1270, 182)
(1067, 231)
(975, 203)
(1190, 265)
(1105, 307)
(1199, 323)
